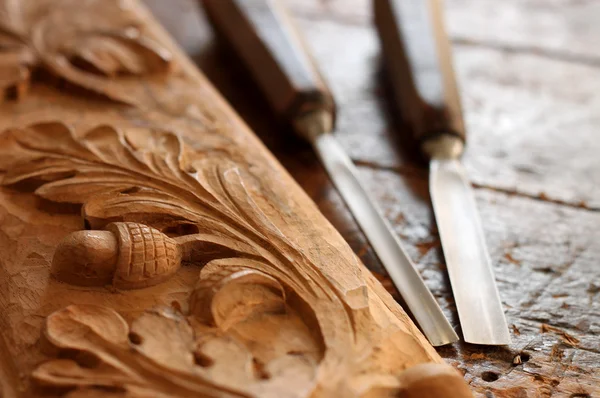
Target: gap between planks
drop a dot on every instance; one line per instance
(414, 172)
(546, 53)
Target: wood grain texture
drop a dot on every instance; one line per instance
(530, 133)
(152, 246)
(550, 115)
(560, 29)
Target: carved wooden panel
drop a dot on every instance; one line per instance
(150, 246)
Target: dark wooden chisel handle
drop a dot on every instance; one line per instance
(418, 60)
(263, 35)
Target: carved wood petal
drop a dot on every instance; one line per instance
(86, 43)
(165, 354)
(114, 53)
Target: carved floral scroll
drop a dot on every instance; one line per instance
(280, 307)
(59, 40)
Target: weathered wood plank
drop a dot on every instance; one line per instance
(541, 132)
(526, 133)
(545, 259)
(555, 28)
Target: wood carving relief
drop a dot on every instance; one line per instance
(152, 247)
(60, 41)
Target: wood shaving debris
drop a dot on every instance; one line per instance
(511, 259)
(517, 360)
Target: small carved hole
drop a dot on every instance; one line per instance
(203, 360)
(581, 395)
(135, 338)
(525, 356)
(259, 370)
(181, 230)
(191, 169)
(490, 376)
(295, 353)
(12, 93)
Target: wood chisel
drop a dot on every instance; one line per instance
(262, 34)
(418, 59)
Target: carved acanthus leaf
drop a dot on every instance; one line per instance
(115, 53)
(126, 175)
(164, 353)
(105, 162)
(159, 344)
(136, 175)
(264, 318)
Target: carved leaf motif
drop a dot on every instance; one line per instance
(222, 287)
(119, 174)
(93, 330)
(113, 53)
(104, 163)
(264, 318)
(116, 363)
(96, 54)
(81, 328)
(161, 354)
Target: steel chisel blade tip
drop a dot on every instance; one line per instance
(467, 260)
(406, 278)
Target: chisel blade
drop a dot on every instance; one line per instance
(467, 259)
(402, 271)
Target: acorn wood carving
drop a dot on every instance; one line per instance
(173, 256)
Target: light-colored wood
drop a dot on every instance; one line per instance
(151, 246)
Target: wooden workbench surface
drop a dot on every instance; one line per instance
(529, 72)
